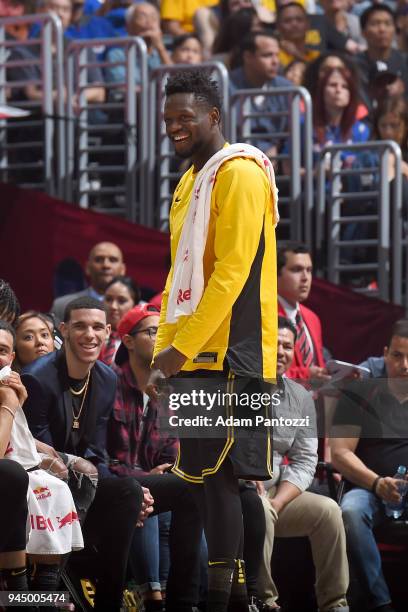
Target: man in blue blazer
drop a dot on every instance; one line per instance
(70, 398)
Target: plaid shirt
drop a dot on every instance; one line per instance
(137, 448)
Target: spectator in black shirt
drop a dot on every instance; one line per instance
(378, 28)
(370, 441)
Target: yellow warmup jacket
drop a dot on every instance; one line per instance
(236, 318)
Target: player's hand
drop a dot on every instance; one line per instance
(9, 398)
(147, 507)
(46, 449)
(160, 469)
(54, 466)
(320, 374)
(169, 361)
(13, 381)
(155, 384)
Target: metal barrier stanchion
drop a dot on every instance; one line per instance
(286, 126)
(18, 58)
(121, 135)
(332, 197)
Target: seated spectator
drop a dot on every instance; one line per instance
(369, 440)
(87, 25)
(139, 446)
(227, 45)
(13, 511)
(177, 15)
(13, 479)
(295, 72)
(34, 338)
(390, 122)
(34, 92)
(136, 442)
(121, 295)
(141, 20)
(9, 304)
(295, 269)
(337, 13)
(332, 59)
(115, 11)
(209, 20)
(187, 49)
(92, 6)
(378, 27)
(105, 261)
(321, 34)
(292, 25)
(48, 495)
(16, 8)
(291, 510)
(334, 113)
(401, 22)
(70, 398)
(260, 68)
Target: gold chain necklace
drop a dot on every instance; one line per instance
(76, 417)
(83, 388)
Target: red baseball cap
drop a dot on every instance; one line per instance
(128, 322)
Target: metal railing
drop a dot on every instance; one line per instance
(31, 78)
(107, 141)
(273, 116)
(163, 163)
(356, 241)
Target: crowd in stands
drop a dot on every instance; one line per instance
(264, 44)
(98, 450)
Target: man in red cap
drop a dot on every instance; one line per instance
(137, 447)
(144, 449)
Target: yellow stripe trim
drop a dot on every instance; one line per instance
(230, 441)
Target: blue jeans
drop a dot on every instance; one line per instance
(149, 556)
(362, 511)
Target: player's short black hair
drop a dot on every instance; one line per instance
(86, 303)
(197, 81)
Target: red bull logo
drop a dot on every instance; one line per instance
(39, 490)
(42, 492)
(68, 519)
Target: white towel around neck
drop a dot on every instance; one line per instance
(188, 278)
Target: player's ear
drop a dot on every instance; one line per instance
(215, 116)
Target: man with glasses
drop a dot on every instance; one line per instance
(138, 447)
(142, 448)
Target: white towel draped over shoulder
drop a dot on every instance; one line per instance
(188, 278)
